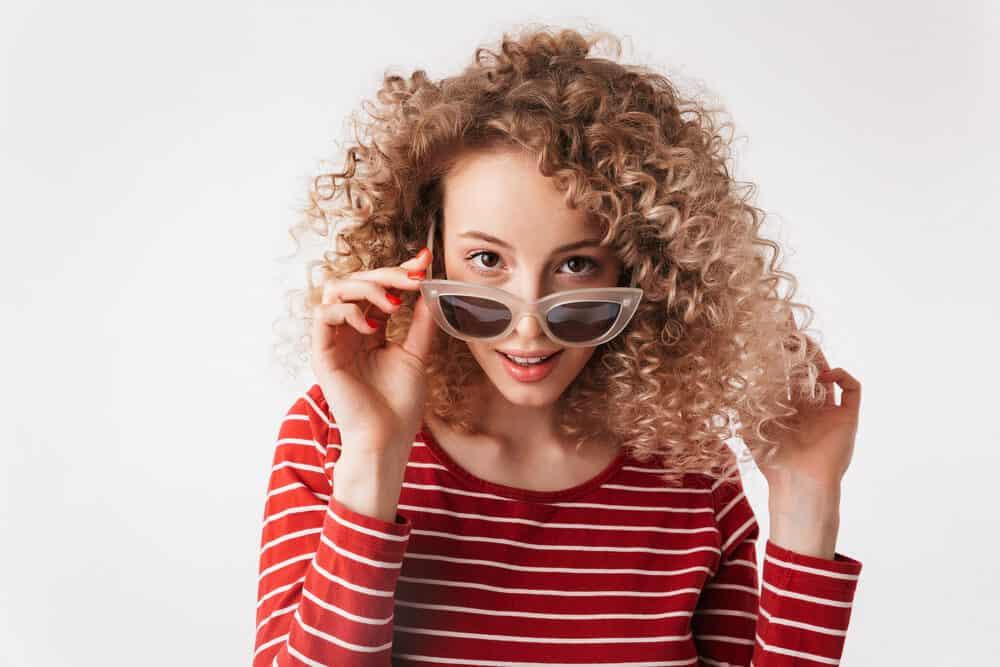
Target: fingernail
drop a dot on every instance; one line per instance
(372, 323)
(415, 275)
(393, 299)
(424, 252)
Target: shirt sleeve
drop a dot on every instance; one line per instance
(798, 617)
(327, 574)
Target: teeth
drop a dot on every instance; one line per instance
(525, 361)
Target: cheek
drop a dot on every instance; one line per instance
(577, 357)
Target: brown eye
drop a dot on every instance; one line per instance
(587, 260)
(486, 268)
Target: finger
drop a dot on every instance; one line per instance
(387, 278)
(850, 388)
(821, 361)
(822, 366)
(423, 328)
(791, 320)
(366, 293)
(329, 315)
(419, 261)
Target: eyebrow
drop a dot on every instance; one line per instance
(504, 244)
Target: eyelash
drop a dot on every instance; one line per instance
(576, 276)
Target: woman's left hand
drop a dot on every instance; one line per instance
(820, 450)
(806, 469)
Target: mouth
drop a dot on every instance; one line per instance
(529, 372)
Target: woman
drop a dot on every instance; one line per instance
(441, 497)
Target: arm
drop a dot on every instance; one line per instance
(327, 573)
(798, 617)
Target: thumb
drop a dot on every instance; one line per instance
(423, 328)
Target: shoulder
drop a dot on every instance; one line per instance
(311, 406)
(307, 420)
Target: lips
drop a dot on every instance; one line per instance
(529, 373)
(532, 355)
(534, 358)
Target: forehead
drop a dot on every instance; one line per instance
(502, 192)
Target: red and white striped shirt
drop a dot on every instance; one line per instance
(619, 570)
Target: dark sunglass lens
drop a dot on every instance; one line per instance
(474, 316)
(583, 321)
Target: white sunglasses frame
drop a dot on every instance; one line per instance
(627, 298)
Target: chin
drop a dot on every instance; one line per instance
(539, 393)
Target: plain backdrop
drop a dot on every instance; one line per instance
(153, 156)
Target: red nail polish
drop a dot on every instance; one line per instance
(393, 299)
(372, 323)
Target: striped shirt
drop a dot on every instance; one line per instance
(618, 570)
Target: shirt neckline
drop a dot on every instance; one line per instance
(472, 480)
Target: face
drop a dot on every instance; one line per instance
(503, 196)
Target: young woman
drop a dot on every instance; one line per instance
(443, 495)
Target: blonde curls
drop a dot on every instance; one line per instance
(713, 351)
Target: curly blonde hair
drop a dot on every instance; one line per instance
(713, 351)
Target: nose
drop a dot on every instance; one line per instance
(528, 328)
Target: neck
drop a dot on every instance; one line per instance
(522, 431)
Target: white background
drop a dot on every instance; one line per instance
(154, 154)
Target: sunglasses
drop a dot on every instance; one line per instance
(571, 318)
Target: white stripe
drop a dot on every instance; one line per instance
(315, 408)
(736, 534)
(520, 663)
(727, 612)
(302, 441)
(722, 479)
(267, 645)
(734, 587)
(298, 466)
(286, 487)
(808, 598)
(343, 612)
(358, 557)
(354, 587)
(367, 531)
(541, 591)
(564, 547)
(282, 564)
(654, 489)
(544, 524)
(631, 508)
(316, 632)
(290, 536)
(420, 464)
(567, 570)
(797, 654)
(294, 485)
(276, 614)
(542, 640)
(731, 505)
(280, 589)
(294, 510)
(726, 638)
(526, 614)
(805, 626)
(651, 471)
(810, 570)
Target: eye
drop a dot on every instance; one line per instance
(490, 270)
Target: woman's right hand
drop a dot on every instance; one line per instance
(376, 389)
